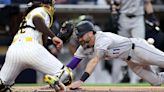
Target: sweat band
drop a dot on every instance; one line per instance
(84, 76)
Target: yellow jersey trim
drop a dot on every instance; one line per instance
(50, 15)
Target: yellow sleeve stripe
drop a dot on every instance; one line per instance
(51, 17)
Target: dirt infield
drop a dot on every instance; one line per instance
(96, 89)
(126, 89)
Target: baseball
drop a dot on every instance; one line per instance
(150, 40)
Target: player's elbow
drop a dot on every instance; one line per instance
(38, 23)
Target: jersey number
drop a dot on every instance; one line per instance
(23, 24)
(22, 31)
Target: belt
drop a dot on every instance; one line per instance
(130, 15)
(129, 57)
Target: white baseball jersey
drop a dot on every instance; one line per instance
(112, 45)
(142, 54)
(27, 51)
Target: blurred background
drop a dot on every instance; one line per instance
(99, 11)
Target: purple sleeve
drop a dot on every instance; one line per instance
(74, 62)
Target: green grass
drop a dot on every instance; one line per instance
(118, 84)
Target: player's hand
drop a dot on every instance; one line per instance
(60, 87)
(58, 42)
(76, 85)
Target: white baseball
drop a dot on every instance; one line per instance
(150, 40)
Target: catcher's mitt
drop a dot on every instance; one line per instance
(66, 30)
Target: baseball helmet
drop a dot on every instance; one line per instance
(83, 27)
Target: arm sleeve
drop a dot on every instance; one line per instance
(78, 56)
(73, 63)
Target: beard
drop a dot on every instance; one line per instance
(86, 46)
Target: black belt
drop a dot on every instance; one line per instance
(130, 15)
(129, 57)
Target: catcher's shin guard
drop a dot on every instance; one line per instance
(64, 76)
(51, 80)
(54, 83)
(4, 88)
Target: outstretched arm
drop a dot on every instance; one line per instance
(90, 68)
(88, 71)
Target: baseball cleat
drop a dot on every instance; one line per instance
(51, 80)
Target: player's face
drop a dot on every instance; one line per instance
(86, 40)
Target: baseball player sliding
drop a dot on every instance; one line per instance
(137, 53)
(27, 51)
